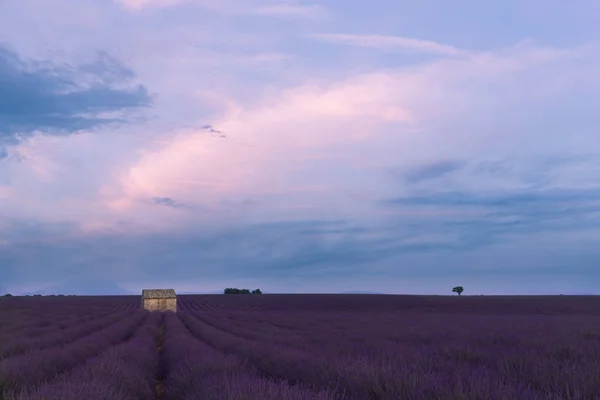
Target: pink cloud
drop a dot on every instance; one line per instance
(297, 151)
(390, 43)
(139, 4)
(291, 9)
(277, 9)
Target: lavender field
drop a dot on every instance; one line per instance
(301, 347)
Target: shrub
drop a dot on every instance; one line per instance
(236, 291)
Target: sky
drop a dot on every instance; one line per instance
(297, 146)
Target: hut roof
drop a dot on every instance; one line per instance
(158, 293)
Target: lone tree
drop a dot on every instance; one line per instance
(458, 289)
(256, 291)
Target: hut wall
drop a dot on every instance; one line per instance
(160, 304)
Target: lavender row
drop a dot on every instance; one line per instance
(277, 362)
(35, 336)
(126, 371)
(58, 337)
(551, 354)
(408, 332)
(14, 321)
(21, 312)
(40, 325)
(25, 316)
(254, 330)
(197, 371)
(482, 305)
(256, 327)
(20, 372)
(447, 372)
(187, 304)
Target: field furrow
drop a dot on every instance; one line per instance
(28, 370)
(58, 337)
(304, 347)
(123, 371)
(196, 370)
(445, 369)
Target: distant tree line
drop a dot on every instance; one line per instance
(241, 291)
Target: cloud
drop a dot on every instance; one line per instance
(506, 200)
(529, 212)
(136, 5)
(168, 202)
(291, 10)
(311, 150)
(524, 200)
(278, 9)
(389, 43)
(97, 286)
(293, 196)
(58, 98)
(278, 254)
(432, 171)
(263, 251)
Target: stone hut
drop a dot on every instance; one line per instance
(159, 299)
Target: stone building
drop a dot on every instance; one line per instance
(159, 299)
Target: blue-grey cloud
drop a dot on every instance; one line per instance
(264, 251)
(432, 170)
(78, 286)
(168, 202)
(60, 98)
(482, 220)
(214, 132)
(277, 253)
(515, 200)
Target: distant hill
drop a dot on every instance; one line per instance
(360, 292)
(215, 292)
(221, 292)
(83, 287)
